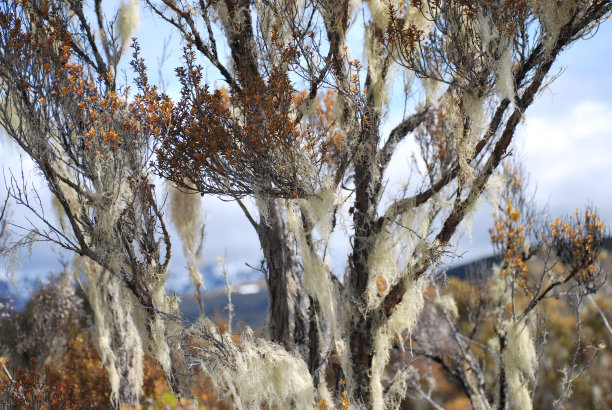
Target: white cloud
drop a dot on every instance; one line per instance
(568, 154)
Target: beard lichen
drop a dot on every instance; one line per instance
(128, 21)
(520, 363)
(117, 337)
(256, 373)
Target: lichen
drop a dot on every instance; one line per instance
(498, 285)
(406, 314)
(448, 304)
(387, 262)
(553, 15)
(397, 391)
(185, 213)
(497, 47)
(494, 190)
(459, 106)
(128, 21)
(317, 279)
(381, 81)
(520, 363)
(400, 324)
(259, 373)
(117, 338)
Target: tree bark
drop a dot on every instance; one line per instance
(361, 325)
(286, 323)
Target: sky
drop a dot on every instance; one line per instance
(564, 142)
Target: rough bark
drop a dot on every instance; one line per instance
(286, 323)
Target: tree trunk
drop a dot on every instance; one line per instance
(361, 350)
(361, 324)
(286, 320)
(119, 343)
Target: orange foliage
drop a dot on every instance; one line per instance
(458, 403)
(343, 400)
(509, 233)
(78, 380)
(398, 30)
(577, 242)
(325, 123)
(247, 139)
(35, 390)
(82, 366)
(90, 110)
(433, 141)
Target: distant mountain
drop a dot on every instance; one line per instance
(468, 269)
(465, 270)
(250, 299)
(250, 296)
(607, 244)
(250, 302)
(213, 279)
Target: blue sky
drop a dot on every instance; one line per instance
(565, 144)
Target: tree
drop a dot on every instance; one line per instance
(299, 128)
(495, 343)
(61, 106)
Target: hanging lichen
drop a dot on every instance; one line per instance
(520, 363)
(128, 21)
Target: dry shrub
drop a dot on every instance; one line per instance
(35, 390)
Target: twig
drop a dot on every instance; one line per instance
(601, 313)
(8, 195)
(7, 372)
(228, 292)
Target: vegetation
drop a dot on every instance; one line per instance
(299, 130)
